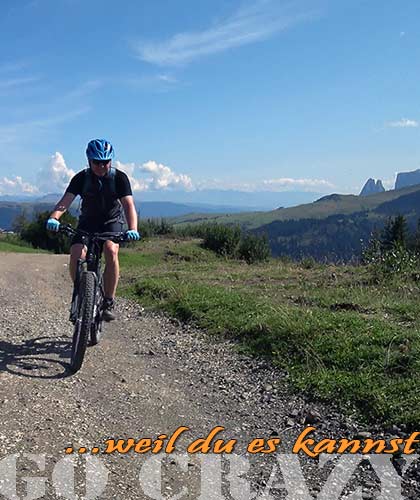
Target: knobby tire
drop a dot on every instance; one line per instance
(84, 320)
(96, 329)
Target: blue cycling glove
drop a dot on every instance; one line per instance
(53, 225)
(133, 235)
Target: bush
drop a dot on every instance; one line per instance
(221, 239)
(37, 235)
(308, 263)
(394, 261)
(389, 252)
(154, 227)
(194, 230)
(253, 248)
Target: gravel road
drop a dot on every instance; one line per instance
(149, 376)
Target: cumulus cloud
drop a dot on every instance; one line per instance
(403, 123)
(55, 176)
(162, 177)
(157, 177)
(129, 169)
(251, 23)
(16, 186)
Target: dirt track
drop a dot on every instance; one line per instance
(147, 377)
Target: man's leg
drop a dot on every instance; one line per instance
(112, 268)
(111, 275)
(77, 251)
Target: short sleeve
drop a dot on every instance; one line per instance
(76, 184)
(122, 184)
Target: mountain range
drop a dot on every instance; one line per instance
(333, 228)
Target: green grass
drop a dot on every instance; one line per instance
(13, 244)
(341, 336)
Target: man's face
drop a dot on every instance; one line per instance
(100, 167)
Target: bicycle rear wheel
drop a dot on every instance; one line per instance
(82, 327)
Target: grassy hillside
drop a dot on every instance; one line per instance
(333, 229)
(342, 334)
(329, 205)
(13, 244)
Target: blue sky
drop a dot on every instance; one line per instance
(253, 95)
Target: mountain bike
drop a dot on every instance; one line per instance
(88, 292)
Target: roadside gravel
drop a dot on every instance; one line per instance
(149, 376)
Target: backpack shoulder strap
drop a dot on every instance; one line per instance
(87, 182)
(112, 174)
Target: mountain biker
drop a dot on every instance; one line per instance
(106, 194)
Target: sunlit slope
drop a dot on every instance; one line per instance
(333, 204)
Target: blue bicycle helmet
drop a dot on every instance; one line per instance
(99, 149)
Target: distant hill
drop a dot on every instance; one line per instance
(323, 207)
(242, 200)
(333, 228)
(9, 210)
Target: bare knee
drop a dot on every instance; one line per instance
(111, 252)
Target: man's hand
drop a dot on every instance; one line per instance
(53, 225)
(133, 235)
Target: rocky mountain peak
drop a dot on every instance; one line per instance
(372, 187)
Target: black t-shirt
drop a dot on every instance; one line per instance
(100, 195)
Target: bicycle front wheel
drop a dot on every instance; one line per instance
(82, 327)
(96, 328)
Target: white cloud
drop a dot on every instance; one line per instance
(163, 177)
(274, 185)
(154, 176)
(250, 24)
(11, 67)
(286, 183)
(55, 176)
(14, 132)
(15, 82)
(16, 186)
(403, 123)
(158, 177)
(129, 169)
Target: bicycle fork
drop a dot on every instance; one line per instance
(75, 299)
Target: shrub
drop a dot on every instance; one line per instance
(194, 230)
(393, 261)
(253, 248)
(221, 239)
(37, 235)
(308, 263)
(154, 227)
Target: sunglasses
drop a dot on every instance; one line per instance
(101, 163)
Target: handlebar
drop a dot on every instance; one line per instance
(119, 237)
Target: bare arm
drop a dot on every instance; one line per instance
(62, 205)
(130, 212)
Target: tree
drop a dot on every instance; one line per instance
(20, 221)
(394, 233)
(36, 233)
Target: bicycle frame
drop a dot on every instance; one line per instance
(91, 262)
(88, 268)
